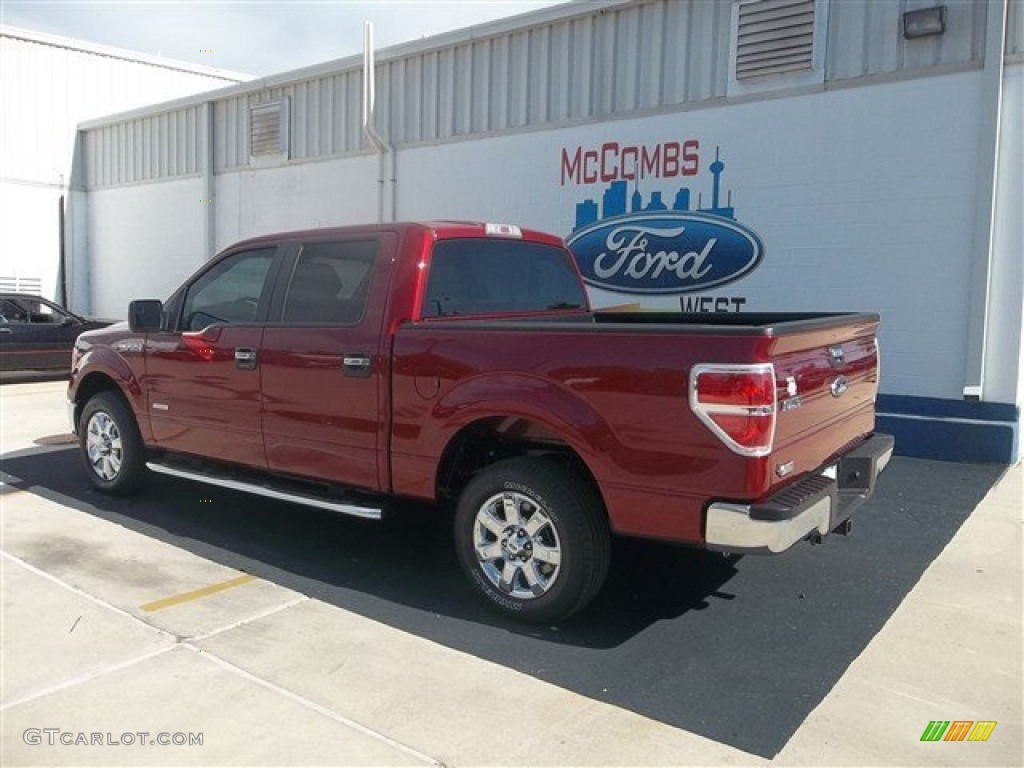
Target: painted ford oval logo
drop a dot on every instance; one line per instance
(664, 252)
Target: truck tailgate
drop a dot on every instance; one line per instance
(827, 381)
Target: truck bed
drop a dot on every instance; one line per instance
(618, 384)
(727, 323)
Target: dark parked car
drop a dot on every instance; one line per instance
(36, 335)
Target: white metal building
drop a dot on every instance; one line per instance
(871, 150)
(48, 85)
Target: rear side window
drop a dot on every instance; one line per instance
(330, 283)
(482, 277)
(229, 292)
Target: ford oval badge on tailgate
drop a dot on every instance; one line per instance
(664, 252)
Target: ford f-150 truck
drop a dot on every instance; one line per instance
(460, 363)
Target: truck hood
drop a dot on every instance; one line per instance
(104, 333)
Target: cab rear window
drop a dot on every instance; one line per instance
(486, 277)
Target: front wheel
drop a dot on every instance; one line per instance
(111, 445)
(533, 538)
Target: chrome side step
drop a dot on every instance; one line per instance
(367, 513)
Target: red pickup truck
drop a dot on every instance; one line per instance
(460, 363)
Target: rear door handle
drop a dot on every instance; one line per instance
(245, 358)
(5, 330)
(357, 365)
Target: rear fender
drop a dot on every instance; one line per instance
(535, 399)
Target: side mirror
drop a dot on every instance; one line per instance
(145, 315)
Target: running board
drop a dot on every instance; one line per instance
(367, 513)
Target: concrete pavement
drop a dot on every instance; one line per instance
(108, 631)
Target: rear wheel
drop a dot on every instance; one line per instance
(111, 445)
(533, 538)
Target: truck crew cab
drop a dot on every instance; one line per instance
(460, 363)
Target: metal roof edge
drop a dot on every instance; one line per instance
(137, 57)
(498, 27)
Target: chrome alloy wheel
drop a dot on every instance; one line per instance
(103, 444)
(517, 545)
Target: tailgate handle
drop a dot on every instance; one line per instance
(245, 358)
(836, 356)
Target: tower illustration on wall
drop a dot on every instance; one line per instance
(616, 200)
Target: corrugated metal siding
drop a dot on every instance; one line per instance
(1015, 29)
(325, 118)
(63, 86)
(326, 115)
(865, 38)
(641, 55)
(578, 68)
(146, 149)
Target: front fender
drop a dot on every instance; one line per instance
(97, 369)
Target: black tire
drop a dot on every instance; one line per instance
(572, 522)
(107, 423)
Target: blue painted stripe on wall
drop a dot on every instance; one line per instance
(951, 430)
(958, 409)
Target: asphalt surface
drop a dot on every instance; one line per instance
(738, 650)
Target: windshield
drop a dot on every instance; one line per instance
(487, 276)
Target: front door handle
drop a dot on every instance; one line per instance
(357, 365)
(245, 358)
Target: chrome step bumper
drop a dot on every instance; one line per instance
(817, 504)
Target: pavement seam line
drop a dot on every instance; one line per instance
(318, 708)
(187, 643)
(249, 619)
(86, 678)
(92, 598)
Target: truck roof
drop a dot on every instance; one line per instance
(437, 229)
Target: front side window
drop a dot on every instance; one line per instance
(30, 310)
(229, 292)
(12, 312)
(330, 283)
(482, 277)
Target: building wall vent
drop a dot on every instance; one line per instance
(16, 284)
(774, 37)
(268, 129)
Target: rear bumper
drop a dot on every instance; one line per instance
(816, 505)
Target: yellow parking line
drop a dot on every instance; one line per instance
(195, 594)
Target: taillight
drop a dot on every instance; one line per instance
(737, 403)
